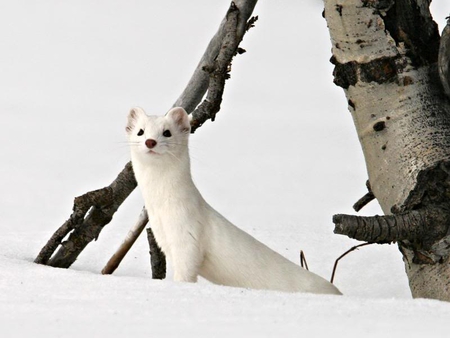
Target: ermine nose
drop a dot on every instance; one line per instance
(150, 143)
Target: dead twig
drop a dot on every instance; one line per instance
(303, 262)
(342, 256)
(366, 199)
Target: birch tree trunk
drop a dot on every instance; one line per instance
(385, 55)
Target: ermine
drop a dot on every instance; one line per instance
(196, 239)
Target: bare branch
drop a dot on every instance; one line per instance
(366, 199)
(199, 82)
(218, 72)
(411, 226)
(157, 257)
(303, 262)
(91, 212)
(94, 210)
(342, 256)
(126, 245)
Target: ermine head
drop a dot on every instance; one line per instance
(152, 137)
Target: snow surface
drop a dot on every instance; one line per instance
(280, 160)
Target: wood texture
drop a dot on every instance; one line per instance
(93, 210)
(385, 55)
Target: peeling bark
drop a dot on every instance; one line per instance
(385, 55)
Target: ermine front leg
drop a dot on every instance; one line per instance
(186, 260)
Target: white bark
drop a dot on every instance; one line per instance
(399, 113)
(409, 107)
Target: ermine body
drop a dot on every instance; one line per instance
(196, 239)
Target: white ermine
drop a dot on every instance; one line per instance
(196, 239)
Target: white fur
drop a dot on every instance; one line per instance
(196, 239)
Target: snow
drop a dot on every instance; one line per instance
(280, 160)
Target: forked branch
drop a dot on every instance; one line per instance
(93, 210)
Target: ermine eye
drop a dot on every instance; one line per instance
(140, 132)
(167, 133)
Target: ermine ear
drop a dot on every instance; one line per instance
(180, 118)
(133, 116)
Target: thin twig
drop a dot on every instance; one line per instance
(366, 199)
(342, 256)
(303, 262)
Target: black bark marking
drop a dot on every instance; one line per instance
(405, 23)
(351, 104)
(378, 4)
(379, 126)
(382, 70)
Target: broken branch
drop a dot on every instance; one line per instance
(91, 212)
(367, 198)
(407, 226)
